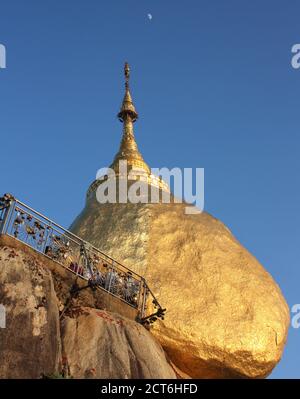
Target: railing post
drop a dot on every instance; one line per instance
(112, 269)
(47, 235)
(140, 299)
(85, 254)
(7, 216)
(139, 304)
(144, 298)
(4, 211)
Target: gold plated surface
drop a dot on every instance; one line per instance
(226, 317)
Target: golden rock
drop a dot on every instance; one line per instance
(226, 317)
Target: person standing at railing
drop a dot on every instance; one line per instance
(100, 278)
(110, 280)
(131, 289)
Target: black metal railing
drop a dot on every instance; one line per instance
(78, 256)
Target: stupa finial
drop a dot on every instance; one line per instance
(127, 74)
(127, 108)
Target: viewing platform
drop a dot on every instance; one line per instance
(71, 256)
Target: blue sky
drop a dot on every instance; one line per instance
(214, 87)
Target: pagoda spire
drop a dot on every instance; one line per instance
(128, 148)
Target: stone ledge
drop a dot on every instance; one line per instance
(65, 278)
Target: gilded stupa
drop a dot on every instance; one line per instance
(226, 316)
(128, 150)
